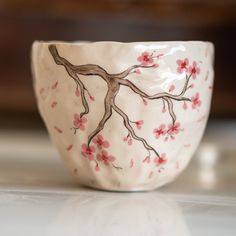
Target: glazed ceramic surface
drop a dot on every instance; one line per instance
(124, 116)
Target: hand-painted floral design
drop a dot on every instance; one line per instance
(79, 122)
(155, 65)
(194, 70)
(167, 131)
(160, 160)
(131, 164)
(53, 104)
(58, 129)
(145, 103)
(145, 59)
(147, 159)
(137, 71)
(128, 140)
(173, 128)
(182, 65)
(77, 92)
(97, 168)
(91, 98)
(196, 102)
(101, 142)
(69, 147)
(139, 124)
(158, 132)
(54, 86)
(88, 151)
(185, 105)
(105, 157)
(172, 88)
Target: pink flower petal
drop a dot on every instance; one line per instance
(92, 98)
(104, 152)
(54, 85)
(97, 168)
(111, 158)
(69, 147)
(130, 141)
(131, 163)
(84, 146)
(185, 106)
(53, 104)
(106, 144)
(77, 92)
(172, 88)
(58, 129)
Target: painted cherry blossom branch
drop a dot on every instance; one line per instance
(73, 70)
(130, 70)
(114, 81)
(131, 130)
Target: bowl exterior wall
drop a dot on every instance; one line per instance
(124, 116)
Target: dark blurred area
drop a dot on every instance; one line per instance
(23, 21)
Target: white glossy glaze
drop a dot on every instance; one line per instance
(161, 70)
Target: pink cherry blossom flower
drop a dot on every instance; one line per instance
(182, 65)
(128, 140)
(79, 122)
(105, 157)
(88, 151)
(139, 124)
(196, 102)
(160, 160)
(160, 131)
(100, 142)
(194, 70)
(145, 59)
(173, 128)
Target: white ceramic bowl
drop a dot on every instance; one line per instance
(124, 116)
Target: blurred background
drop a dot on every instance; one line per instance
(23, 21)
(36, 190)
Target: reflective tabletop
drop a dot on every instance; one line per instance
(39, 197)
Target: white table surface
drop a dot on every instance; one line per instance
(38, 196)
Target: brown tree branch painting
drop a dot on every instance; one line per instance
(114, 82)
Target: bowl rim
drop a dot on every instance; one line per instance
(86, 42)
